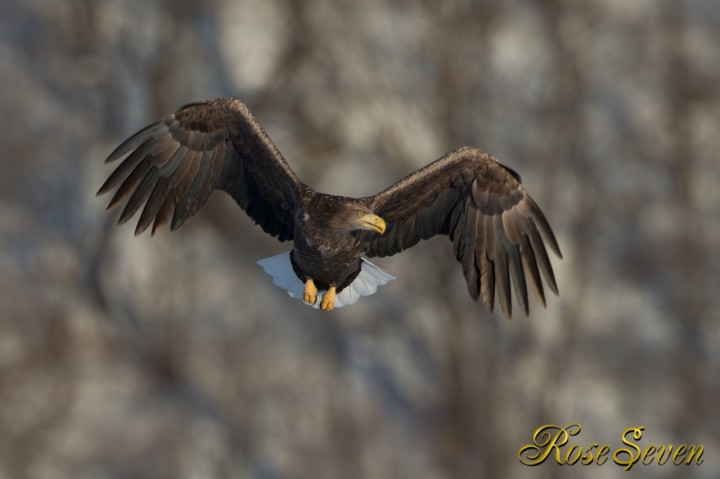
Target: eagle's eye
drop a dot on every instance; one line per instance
(360, 213)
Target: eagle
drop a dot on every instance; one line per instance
(499, 233)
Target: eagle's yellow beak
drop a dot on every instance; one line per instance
(375, 223)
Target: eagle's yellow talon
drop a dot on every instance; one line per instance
(310, 293)
(328, 300)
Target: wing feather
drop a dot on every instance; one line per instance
(195, 194)
(151, 131)
(543, 261)
(466, 252)
(531, 267)
(487, 281)
(509, 227)
(129, 185)
(167, 173)
(174, 165)
(142, 192)
(500, 260)
(499, 233)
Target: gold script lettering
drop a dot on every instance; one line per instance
(547, 439)
(692, 449)
(553, 442)
(632, 458)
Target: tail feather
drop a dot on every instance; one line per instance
(365, 284)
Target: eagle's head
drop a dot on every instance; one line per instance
(351, 215)
(367, 220)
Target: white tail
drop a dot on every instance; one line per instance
(365, 284)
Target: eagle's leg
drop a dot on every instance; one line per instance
(328, 300)
(310, 293)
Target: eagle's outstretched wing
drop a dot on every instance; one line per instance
(174, 165)
(498, 231)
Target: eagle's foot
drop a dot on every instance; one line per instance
(328, 300)
(310, 293)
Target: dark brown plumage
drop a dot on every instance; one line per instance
(499, 233)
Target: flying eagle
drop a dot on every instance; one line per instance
(498, 232)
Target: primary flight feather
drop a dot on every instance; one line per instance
(499, 233)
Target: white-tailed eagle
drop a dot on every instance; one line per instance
(498, 232)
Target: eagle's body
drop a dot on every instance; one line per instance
(498, 231)
(311, 257)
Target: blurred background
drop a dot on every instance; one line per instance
(174, 356)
